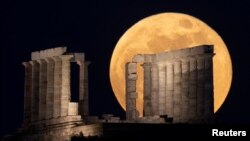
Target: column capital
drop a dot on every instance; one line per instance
(80, 63)
(146, 64)
(40, 61)
(56, 58)
(154, 65)
(49, 59)
(184, 60)
(33, 62)
(66, 57)
(63, 58)
(169, 63)
(161, 64)
(26, 64)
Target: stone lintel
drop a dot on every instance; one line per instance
(48, 53)
(203, 50)
(79, 57)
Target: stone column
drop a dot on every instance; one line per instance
(184, 90)
(42, 89)
(65, 91)
(209, 90)
(83, 88)
(57, 86)
(147, 89)
(131, 95)
(192, 89)
(86, 89)
(154, 90)
(170, 89)
(200, 88)
(162, 88)
(35, 90)
(27, 92)
(177, 91)
(50, 88)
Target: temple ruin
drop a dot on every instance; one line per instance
(47, 86)
(47, 103)
(177, 84)
(178, 88)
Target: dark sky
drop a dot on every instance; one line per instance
(94, 27)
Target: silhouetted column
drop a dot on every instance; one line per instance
(184, 90)
(162, 88)
(209, 97)
(42, 88)
(147, 89)
(192, 89)
(65, 91)
(35, 90)
(86, 88)
(27, 92)
(131, 95)
(169, 89)
(177, 91)
(57, 86)
(154, 90)
(200, 88)
(83, 88)
(50, 88)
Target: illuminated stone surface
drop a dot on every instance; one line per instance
(177, 84)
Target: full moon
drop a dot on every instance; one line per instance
(166, 32)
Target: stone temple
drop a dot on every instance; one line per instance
(178, 88)
(47, 104)
(177, 85)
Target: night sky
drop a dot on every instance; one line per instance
(94, 27)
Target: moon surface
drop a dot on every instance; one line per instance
(166, 32)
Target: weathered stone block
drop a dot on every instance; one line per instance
(139, 58)
(131, 68)
(132, 76)
(48, 53)
(73, 108)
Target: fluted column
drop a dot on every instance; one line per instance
(192, 91)
(170, 89)
(27, 92)
(131, 95)
(50, 88)
(177, 91)
(162, 88)
(184, 90)
(200, 87)
(65, 90)
(83, 88)
(35, 90)
(57, 86)
(147, 89)
(154, 90)
(42, 88)
(209, 93)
